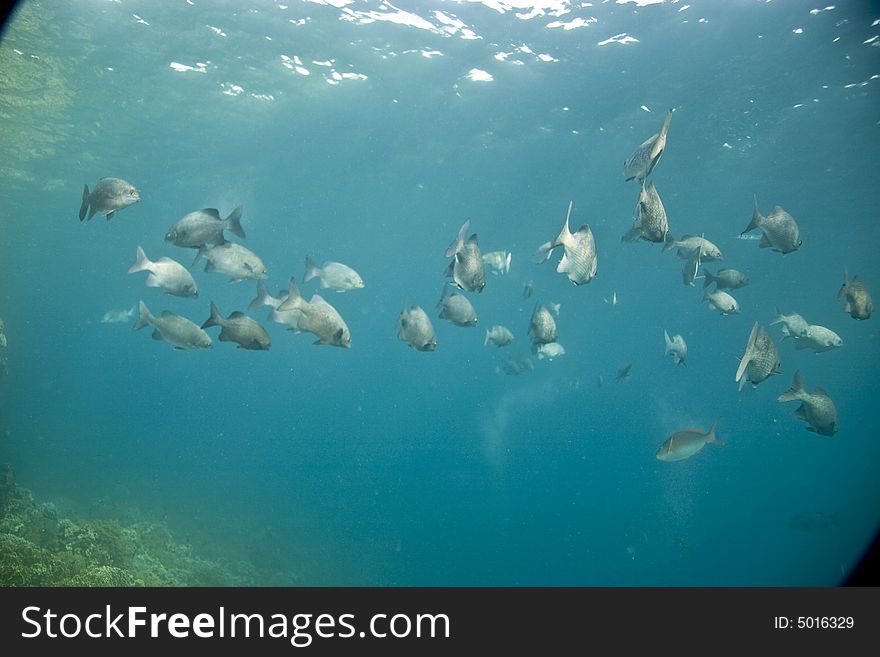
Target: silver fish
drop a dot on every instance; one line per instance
(688, 245)
(466, 267)
(333, 275)
(623, 372)
(263, 298)
(650, 223)
(204, 227)
(165, 273)
(677, 347)
(685, 443)
(239, 328)
(499, 336)
(456, 308)
(528, 288)
(760, 360)
(516, 366)
(859, 304)
(497, 262)
(612, 300)
(234, 260)
(414, 327)
(108, 197)
(725, 279)
(317, 317)
(118, 316)
(550, 350)
(721, 301)
(793, 325)
(542, 326)
(177, 331)
(641, 163)
(816, 407)
(781, 232)
(819, 339)
(579, 258)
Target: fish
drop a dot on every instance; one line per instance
(456, 308)
(612, 300)
(549, 350)
(109, 196)
(725, 279)
(239, 328)
(781, 232)
(685, 443)
(623, 372)
(497, 262)
(760, 360)
(317, 317)
(414, 327)
(499, 336)
(165, 273)
(333, 275)
(688, 244)
(579, 258)
(859, 304)
(642, 161)
(650, 223)
(816, 407)
(177, 331)
(204, 227)
(721, 301)
(542, 326)
(793, 325)
(234, 260)
(466, 268)
(819, 339)
(263, 298)
(677, 347)
(515, 366)
(690, 269)
(117, 316)
(527, 290)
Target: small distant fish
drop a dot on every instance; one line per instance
(414, 327)
(233, 260)
(177, 331)
(204, 227)
(456, 308)
(685, 443)
(542, 326)
(333, 275)
(516, 366)
(687, 246)
(165, 273)
(466, 268)
(497, 262)
(793, 325)
(550, 350)
(819, 339)
(239, 328)
(721, 301)
(623, 372)
(579, 259)
(612, 300)
(810, 521)
(725, 279)
(108, 197)
(499, 336)
(317, 317)
(690, 269)
(528, 288)
(859, 304)
(677, 347)
(641, 163)
(816, 407)
(650, 223)
(781, 232)
(117, 316)
(760, 360)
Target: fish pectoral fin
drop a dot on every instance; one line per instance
(764, 243)
(110, 214)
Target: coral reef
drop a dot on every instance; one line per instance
(38, 547)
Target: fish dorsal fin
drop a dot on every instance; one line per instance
(747, 356)
(236, 314)
(472, 239)
(213, 212)
(820, 391)
(167, 313)
(166, 259)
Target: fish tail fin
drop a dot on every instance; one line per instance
(668, 342)
(715, 440)
(708, 277)
(85, 203)
(757, 217)
(261, 298)
(203, 250)
(777, 318)
(294, 298)
(456, 245)
(214, 319)
(555, 308)
(668, 242)
(234, 221)
(311, 270)
(750, 347)
(132, 310)
(140, 261)
(145, 317)
(796, 392)
(543, 253)
(666, 123)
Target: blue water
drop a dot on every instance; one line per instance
(381, 465)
